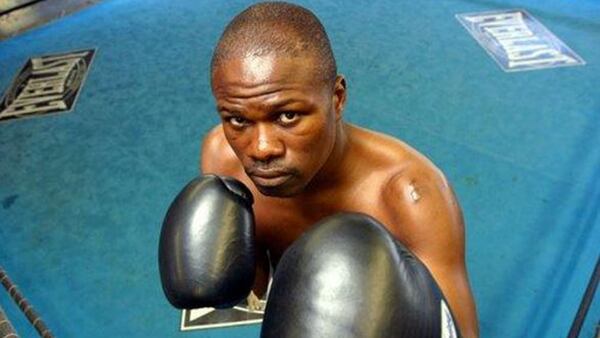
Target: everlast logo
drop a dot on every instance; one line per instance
(47, 84)
(210, 318)
(517, 41)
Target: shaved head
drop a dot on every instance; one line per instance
(280, 29)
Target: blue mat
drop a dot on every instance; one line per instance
(83, 194)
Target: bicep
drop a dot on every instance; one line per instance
(429, 221)
(426, 215)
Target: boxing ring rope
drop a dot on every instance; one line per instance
(24, 305)
(586, 302)
(6, 328)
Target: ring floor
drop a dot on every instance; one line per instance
(83, 194)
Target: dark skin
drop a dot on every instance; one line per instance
(282, 134)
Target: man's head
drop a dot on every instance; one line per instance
(273, 75)
(277, 28)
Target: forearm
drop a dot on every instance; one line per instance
(261, 280)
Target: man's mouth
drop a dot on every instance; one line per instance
(271, 181)
(269, 178)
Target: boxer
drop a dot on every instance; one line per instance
(283, 141)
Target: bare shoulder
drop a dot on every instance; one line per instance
(421, 200)
(400, 162)
(217, 157)
(416, 181)
(417, 198)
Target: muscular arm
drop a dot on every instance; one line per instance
(428, 220)
(218, 158)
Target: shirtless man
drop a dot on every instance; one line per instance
(282, 134)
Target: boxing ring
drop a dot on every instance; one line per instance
(83, 193)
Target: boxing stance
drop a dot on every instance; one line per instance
(282, 134)
(345, 277)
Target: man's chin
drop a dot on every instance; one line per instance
(278, 191)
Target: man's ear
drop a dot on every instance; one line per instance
(339, 96)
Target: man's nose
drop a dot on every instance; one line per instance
(266, 145)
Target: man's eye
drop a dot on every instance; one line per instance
(288, 117)
(237, 121)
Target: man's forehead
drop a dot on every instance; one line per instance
(256, 70)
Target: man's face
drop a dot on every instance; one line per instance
(279, 118)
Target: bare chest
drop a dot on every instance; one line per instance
(279, 225)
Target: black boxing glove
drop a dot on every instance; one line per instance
(348, 277)
(206, 253)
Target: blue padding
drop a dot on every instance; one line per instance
(83, 194)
